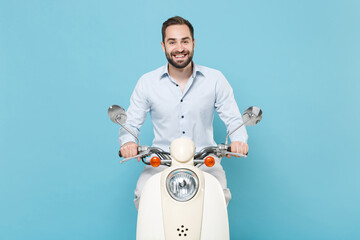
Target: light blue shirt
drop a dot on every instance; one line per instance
(188, 114)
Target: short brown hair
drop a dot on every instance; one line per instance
(176, 21)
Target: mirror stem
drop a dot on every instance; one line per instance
(137, 139)
(226, 140)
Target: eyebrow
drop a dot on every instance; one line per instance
(173, 39)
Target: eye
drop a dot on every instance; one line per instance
(171, 43)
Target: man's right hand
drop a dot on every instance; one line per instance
(129, 149)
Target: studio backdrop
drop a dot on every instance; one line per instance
(63, 63)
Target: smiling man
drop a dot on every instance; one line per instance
(181, 98)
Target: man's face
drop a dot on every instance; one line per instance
(178, 45)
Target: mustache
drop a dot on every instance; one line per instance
(177, 52)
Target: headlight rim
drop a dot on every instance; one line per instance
(188, 171)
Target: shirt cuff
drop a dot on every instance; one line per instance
(125, 139)
(239, 136)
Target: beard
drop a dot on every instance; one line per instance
(181, 64)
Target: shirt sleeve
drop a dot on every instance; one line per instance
(228, 110)
(136, 113)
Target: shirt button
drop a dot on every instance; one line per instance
(183, 132)
(177, 85)
(182, 116)
(181, 100)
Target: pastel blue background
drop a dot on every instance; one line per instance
(63, 63)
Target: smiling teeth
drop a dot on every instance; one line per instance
(179, 56)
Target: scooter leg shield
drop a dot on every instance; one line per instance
(150, 222)
(182, 220)
(215, 223)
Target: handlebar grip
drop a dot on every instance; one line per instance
(229, 150)
(120, 155)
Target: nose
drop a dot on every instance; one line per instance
(179, 47)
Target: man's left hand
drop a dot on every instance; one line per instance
(238, 147)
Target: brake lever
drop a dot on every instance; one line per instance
(141, 155)
(235, 154)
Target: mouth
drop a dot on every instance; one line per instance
(179, 56)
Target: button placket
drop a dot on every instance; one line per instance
(182, 123)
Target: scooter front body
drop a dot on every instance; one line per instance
(161, 217)
(202, 216)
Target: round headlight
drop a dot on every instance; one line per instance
(182, 184)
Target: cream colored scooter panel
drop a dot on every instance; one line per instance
(150, 224)
(182, 220)
(215, 225)
(182, 152)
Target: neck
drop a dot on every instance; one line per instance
(181, 74)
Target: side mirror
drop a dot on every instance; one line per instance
(118, 115)
(251, 117)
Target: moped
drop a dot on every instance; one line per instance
(182, 202)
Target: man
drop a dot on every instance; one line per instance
(181, 98)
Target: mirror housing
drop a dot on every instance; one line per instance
(117, 114)
(251, 117)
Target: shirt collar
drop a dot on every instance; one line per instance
(165, 71)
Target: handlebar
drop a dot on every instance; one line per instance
(145, 151)
(220, 151)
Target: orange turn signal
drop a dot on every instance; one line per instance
(209, 161)
(155, 161)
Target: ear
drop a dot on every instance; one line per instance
(163, 46)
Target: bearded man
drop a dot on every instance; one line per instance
(181, 98)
